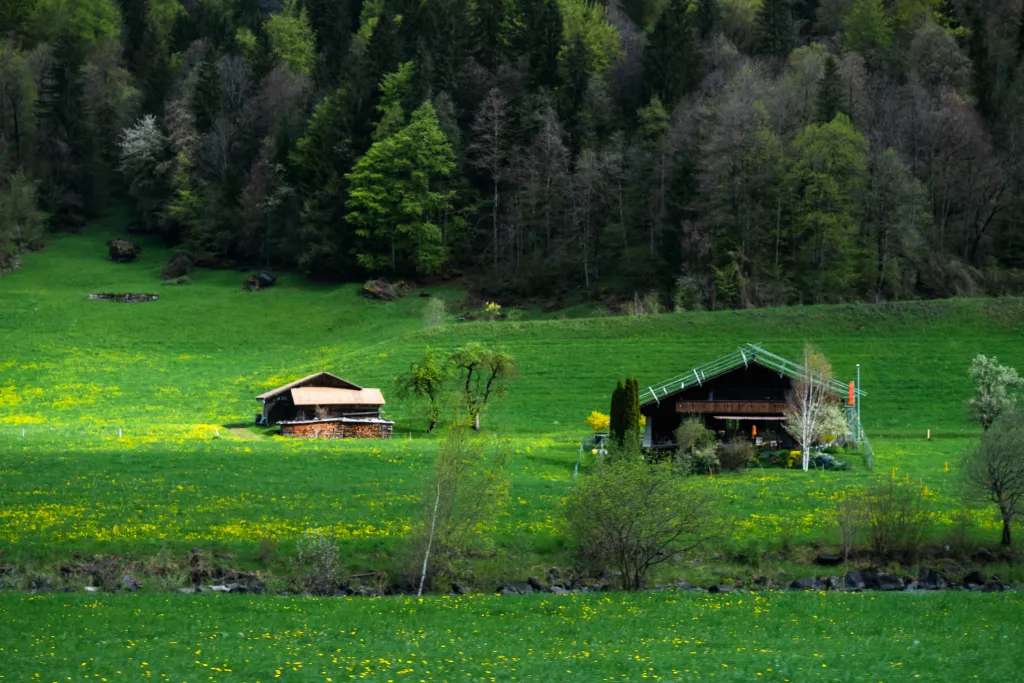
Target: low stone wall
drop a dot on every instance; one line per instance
(337, 430)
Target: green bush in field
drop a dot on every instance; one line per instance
(318, 565)
(629, 516)
(737, 454)
(896, 518)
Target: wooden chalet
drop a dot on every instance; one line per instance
(323, 405)
(742, 393)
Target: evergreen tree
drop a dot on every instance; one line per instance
(616, 415)
(575, 80)
(642, 12)
(775, 28)
(396, 200)
(867, 29)
(984, 82)
(631, 410)
(542, 39)
(490, 22)
(709, 17)
(828, 175)
(830, 92)
(333, 23)
(672, 58)
(322, 157)
(206, 98)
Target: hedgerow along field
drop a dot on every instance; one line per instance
(126, 428)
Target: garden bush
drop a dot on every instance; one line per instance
(896, 518)
(629, 516)
(736, 454)
(318, 566)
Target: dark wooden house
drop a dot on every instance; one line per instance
(323, 405)
(741, 394)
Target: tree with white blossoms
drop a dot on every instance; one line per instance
(808, 404)
(143, 162)
(994, 387)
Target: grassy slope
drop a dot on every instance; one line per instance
(654, 636)
(114, 418)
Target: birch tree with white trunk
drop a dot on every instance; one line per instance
(807, 407)
(468, 490)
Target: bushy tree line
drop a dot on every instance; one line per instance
(721, 153)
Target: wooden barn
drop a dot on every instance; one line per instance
(742, 393)
(323, 405)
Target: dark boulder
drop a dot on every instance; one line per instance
(180, 265)
(832, 583)
(721, 588)
(382, 290)
(178, 281)
(931, 580)
(536, 584)
(828, 559)
(974, 579)
(258, 281)
(854, 581)
(515, 589)
(459, 589)
(123, 251)
(890, 582)
(983, 556)
(807, 584)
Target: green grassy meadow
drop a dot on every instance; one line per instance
(652, 636)
(127, 430)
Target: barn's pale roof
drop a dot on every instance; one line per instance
(299, 382)
(741, 357)
(329, 396)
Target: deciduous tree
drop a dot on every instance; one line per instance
(629, 517)
(808, 401)
(483, 373)
(467, 491)
(995, 387)
(995, 469)
(427, 379)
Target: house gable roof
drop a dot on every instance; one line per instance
(329, 396)
(321, 379)
(744, 356)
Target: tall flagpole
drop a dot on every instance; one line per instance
(860, 428)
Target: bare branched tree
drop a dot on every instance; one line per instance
(489, 152)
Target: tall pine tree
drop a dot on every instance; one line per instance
(542, 40)
(616, 416)
(776, 33)
(672, 58)
(830, 92)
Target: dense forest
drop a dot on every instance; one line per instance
(718, 153)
